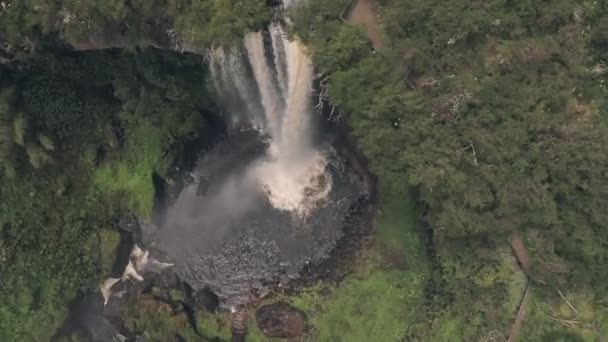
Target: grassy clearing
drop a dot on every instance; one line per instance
(108, 240)
(136, 187)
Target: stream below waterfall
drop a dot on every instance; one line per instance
(271, 198)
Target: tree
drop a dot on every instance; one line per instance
(17, 137)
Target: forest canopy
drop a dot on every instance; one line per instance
(496, 113)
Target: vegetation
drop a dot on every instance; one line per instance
(482, 120)
(381, 300)
(82, 136)
(496, 113)
(92, 24)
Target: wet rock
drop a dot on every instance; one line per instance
(280, 320)
(226, 236)
(207, 299)
(274, 3)
(89, 323)
(129, 223)
(239, 324)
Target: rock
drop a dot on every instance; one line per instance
(129, 223)
(207, 299)
(280, 320)
(88, 321)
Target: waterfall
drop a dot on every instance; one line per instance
(278, 46)
(230, 79)
(293, 175)
(270, 198)
(271, 102)
(296, 130)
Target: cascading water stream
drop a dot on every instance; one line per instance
(295, 179)
(278, 46)
(264, 203)
(268, 200)
(293, 176)
(271, 102)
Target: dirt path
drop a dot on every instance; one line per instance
(363, 12)
(520, 252)
(521, 314)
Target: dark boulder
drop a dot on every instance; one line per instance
(129, 224)
(88, 322)
(206, 299)
(280, 320)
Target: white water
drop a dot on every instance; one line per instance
(279, 47)
(230, 79)
(254, 43)
(139, 261)
(293, 176)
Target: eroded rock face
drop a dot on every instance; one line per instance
(280, 320)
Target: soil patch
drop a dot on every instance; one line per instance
(520, 252)
(363, 12)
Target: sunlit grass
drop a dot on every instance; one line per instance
(138, 189)
(131, 176)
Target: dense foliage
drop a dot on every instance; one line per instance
(495, 111)
(102, 23)
(82, 136)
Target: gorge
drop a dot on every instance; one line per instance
(271, 199)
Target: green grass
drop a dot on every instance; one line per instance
(449, 329)
(214, 326)
(108, 244)
(131, 176)
(137, 187)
